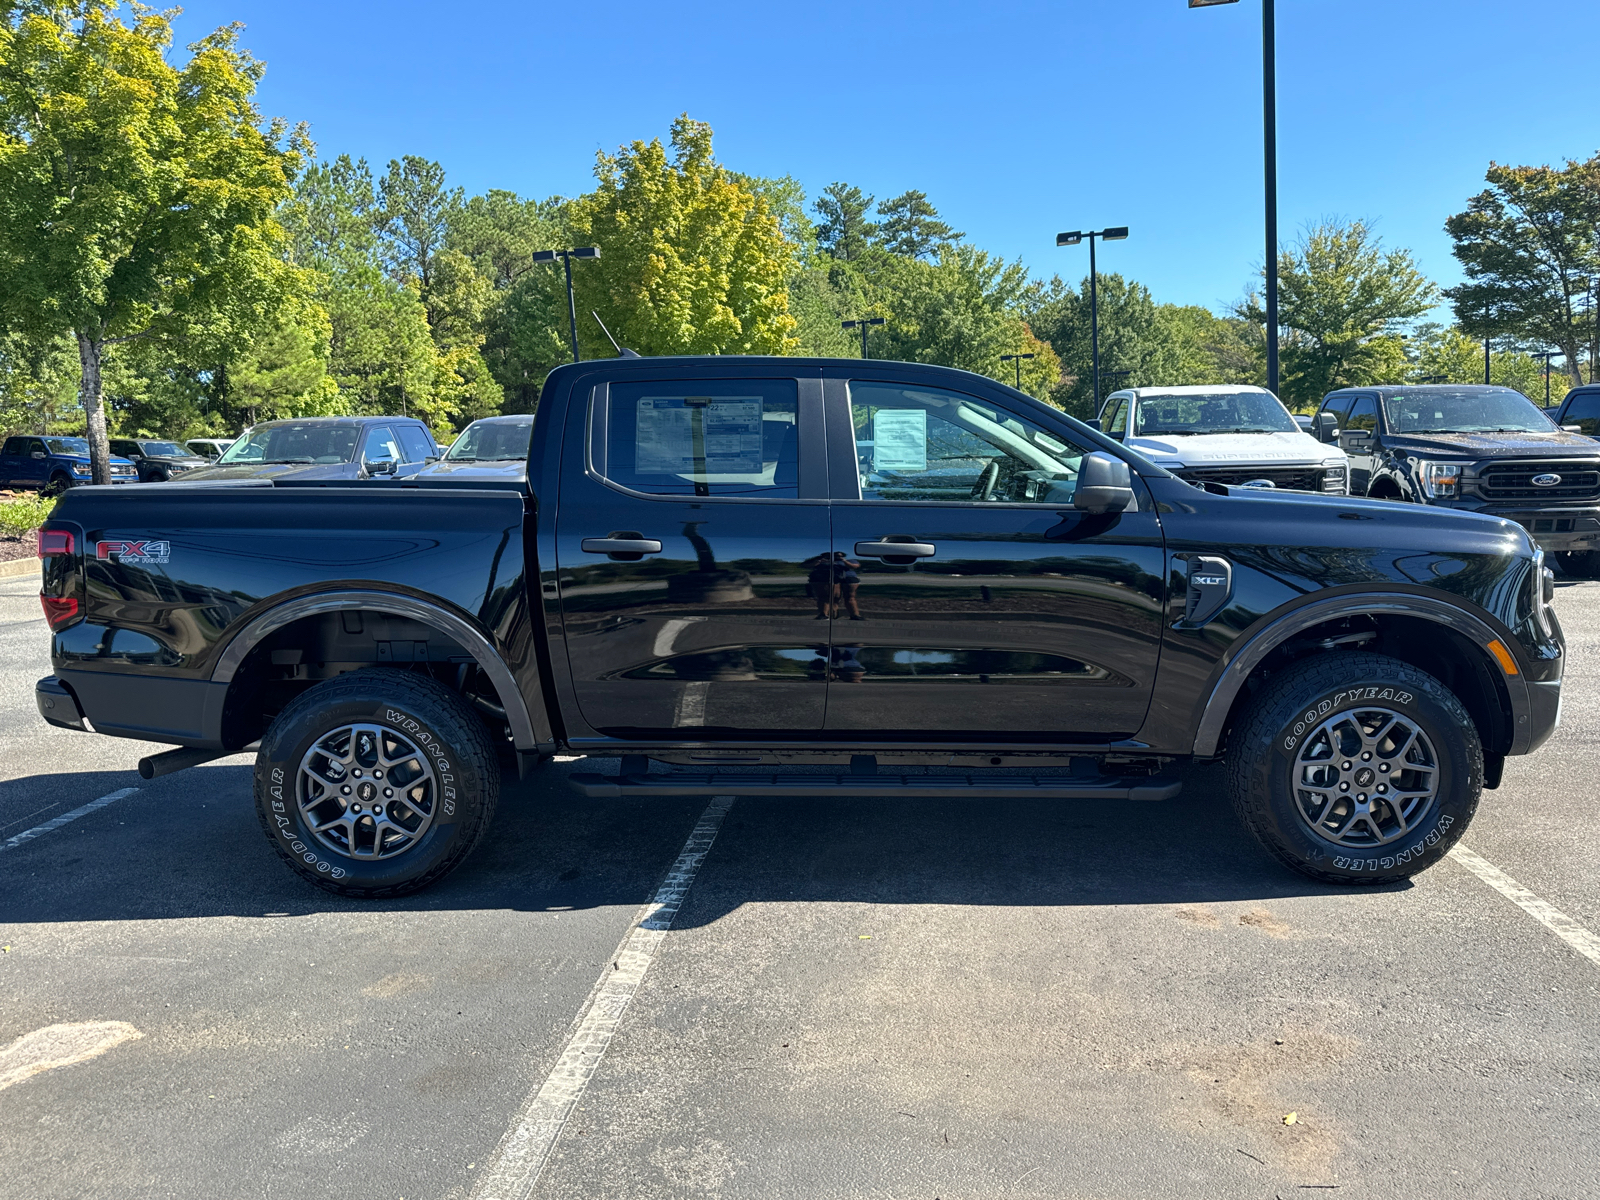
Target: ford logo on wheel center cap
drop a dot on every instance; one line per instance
(1548, 480)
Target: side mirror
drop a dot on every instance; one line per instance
(1355, 439)
(431, 458)
(1105, 485)
(1572, 429)
(39, 454)
(1093, 423)
(385, 465)
(1325, 427)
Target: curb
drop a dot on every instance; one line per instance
(19, 568)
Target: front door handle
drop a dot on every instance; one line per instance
(896, 549)
(614, 545)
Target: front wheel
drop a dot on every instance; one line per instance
(377, 783)
(1356, 768)
(58, 484)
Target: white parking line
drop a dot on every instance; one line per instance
(1551, 917)
(27, 835)
(526, 1147)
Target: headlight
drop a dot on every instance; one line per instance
(80, 469)
(1438, 478)
(1333, 478)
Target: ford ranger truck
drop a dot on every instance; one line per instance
(915, 576)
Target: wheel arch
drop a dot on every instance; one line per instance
(530, 727)
(1430, 633)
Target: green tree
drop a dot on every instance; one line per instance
(844, 232)
(137, 198)
(911, 227)
(1342, 302)
(693, 262)
(38, 385)
(1530, 244)
(413, 218)
(1441, 355)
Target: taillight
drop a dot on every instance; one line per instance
(59, 611)
(54, 541)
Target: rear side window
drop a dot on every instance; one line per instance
(723, 437)
(416, 444)
(1583, 410)
(12, 446)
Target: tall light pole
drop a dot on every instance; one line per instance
(862, 325)
(1269, 140)
(1547, 355)
(1114, 233)
(1017, 360)
(566, 256)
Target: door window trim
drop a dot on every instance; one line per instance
(810, 438)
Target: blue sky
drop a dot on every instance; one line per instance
(1017, 119)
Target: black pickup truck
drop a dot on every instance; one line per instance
(915, 575)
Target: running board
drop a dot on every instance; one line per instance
(974, 784)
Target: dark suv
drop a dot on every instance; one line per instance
(157, 460)
(1476, 447)
(1579, 411)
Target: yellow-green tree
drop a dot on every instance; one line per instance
(692, 260)
(136, 197)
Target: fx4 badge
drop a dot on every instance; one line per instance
(137, 553)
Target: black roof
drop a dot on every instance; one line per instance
(1385, 388)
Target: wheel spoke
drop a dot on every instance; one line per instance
(1338, 774)
(377, 752)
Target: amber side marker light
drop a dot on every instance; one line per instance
(1508, 664)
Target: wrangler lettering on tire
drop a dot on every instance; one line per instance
(1355, 768)
(376, 783)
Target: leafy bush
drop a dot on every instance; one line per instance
(19, 516)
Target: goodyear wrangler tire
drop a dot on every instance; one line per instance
(377, 783)
(1356, 768)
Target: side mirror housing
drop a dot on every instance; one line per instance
(382, 466)
(1355, 439)
(1093, 423)
(1572, 429)
(431, 458)
(1325, 427)
(1105, 485)
(39, 454)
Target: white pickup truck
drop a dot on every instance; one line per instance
(1224, 433)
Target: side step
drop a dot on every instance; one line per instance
(972, 784)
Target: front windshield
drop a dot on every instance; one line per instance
(164, 450)
(294, 444)
(497, 441)
(1213, 412)
(1491, 410)
(67, 445)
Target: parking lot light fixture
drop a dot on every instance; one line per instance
(1016, 360)
(566, 257)
(862, 323)
(1114, 233)
(1547, 355)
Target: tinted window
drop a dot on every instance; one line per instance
(1363, 416)
(920, 443)
(294, 444)
(1338, 406)
(725, 437)
(497, 441)
(1481, 410)
(1583, 410)
(12, 446)
(124, 448)
(416, 443)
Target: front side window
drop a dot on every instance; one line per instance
(381, 445)
(1363, 415)
(1213, 412)
(294, 444)
(921, 443)
(124, 448)
(1116, 422)
(723, 437)
(1482, 410)
(1584, 412)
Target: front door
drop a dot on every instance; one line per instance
(1357, 439)
(1009, 615)
(692, 537)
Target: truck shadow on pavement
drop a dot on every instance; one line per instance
(190, 845)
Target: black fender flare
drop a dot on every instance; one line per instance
(530, 729)
(1248, 655)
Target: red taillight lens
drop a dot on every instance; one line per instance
(59, 610)
(54, 541)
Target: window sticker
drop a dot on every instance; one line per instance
(900, 439)
(691, 436)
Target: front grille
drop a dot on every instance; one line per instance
(1514, 481)
(1298, 479)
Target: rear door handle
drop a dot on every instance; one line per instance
(621, 546)
(896, 549)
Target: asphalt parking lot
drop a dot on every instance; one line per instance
(855, 999)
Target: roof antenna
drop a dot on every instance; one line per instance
(621, 353)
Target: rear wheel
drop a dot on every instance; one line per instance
(377, 783)
(1356, 768)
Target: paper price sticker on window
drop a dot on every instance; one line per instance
(719, 436)
(900, 439)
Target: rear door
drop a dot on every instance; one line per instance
(415, 446)
(693, 516)
(1010, 615)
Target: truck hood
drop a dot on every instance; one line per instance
(1494, 445)
(217, 474)
(1236, 449)
(513, 470)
